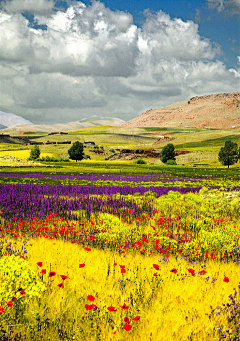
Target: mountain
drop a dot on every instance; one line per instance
(85, 123)
(219, 111)
(8, 120)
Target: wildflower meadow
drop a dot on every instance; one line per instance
(119, 257)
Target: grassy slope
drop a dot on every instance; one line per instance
(204, 146)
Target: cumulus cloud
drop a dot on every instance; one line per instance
(33, 6)
(94, 61)
(232, 5)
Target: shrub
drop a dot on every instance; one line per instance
(35, 153)
(141, 162)
(171, 162)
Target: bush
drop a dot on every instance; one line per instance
(35, 153)
(171, 162)
(141, 162)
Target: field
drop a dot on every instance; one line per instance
(100, 250)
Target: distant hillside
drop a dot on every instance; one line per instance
(90, 122)
(8, 120)
(219, 111)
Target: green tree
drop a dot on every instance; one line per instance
(168, 153)
(76, 151)
(35, 153)
(228, 154)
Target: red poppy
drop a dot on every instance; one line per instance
(155, 274)
(122, 266)
(112, 309)
(23, 257)
(226, 279)
(52, 273)
(126, 319)
(43, 271)
(22, 292)
(156, 266)
(173, 270)
(91, 298)
(39, 264)
(90, 306)
(81, 265)
(63, 277)
(191, 271)
(114, 332)
(87, 249)
(61, 285)
(14, 298)
(123, 271)
(127, 327)
(125, 307)
(136, 318)
(203, 272)
(9, 303)
(115, 264)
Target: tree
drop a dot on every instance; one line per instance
(35, 153)
(228, 154)
(168, 153)
(76, 151)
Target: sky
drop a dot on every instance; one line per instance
(63, 61)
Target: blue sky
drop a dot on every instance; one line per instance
(62, 61)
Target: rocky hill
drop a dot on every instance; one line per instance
(219, 111)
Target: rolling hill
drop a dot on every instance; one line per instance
(219, 111)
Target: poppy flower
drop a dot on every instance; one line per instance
(52, 273)
(123, 271)
(203, 272)
(2, 310)
(136, 318)
(87, 249)
(155, 274)
(14, 298)
(126, 319)
(226, 279)
(115, 264)
(127, 327)
(43, 271)
(90, 306)
(112, 309)
(91, 298)
(173, 271)
(61, 285)
(9, 303)
(191, 271)
(22, 292)
(156, 266)
(23, 257)
(122, 266)
(114, 332)
(39, 264)
(81, 265)
(63, 277)
(125, 307)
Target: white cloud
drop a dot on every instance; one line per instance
(94, 61)
(33, 6)
(232, 5)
